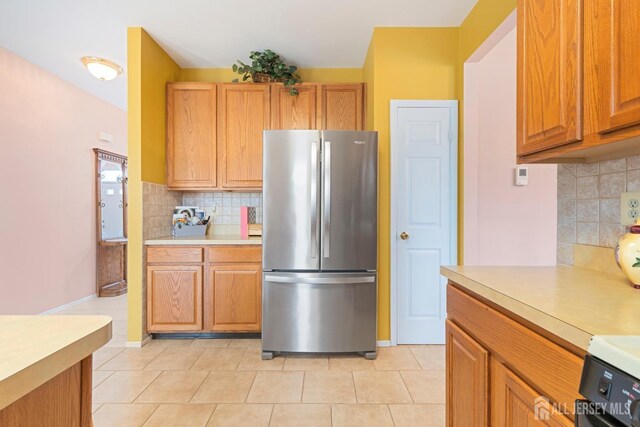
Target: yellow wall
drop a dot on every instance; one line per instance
(158, 68)
(483, 19)
(368, 78)
(408, 63)
(317, 75)
(134, 210)
(148, 70)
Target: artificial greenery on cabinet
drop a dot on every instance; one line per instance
(268, 67)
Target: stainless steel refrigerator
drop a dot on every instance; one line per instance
(319, 242)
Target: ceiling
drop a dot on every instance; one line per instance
(207, 33)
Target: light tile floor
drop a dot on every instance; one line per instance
(200, 382)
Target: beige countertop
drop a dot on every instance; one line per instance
(214, 239)
(34, 349)
(570, 302)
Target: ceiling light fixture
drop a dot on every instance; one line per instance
(101, 68)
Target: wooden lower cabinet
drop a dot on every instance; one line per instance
(467, 369)
(63, 401)
(515, 403)
(502, 373)
(174, 298)
(234, 298)
(204, 289)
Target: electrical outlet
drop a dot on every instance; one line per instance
(629, 208)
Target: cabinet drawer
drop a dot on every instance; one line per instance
(245, 254)
(174, 254)
(547, 367)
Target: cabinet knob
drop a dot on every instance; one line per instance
(404, 235)
(634, 411)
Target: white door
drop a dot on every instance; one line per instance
(425, 215)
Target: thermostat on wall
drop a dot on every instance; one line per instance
(522, 175)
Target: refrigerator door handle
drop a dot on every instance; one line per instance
(314, 200)
(326, 231)
(317, 280)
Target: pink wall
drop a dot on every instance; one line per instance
(503, 224)
(47, 217)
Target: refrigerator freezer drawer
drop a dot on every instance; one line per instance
(319, 312)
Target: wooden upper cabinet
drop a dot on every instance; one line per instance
(549, 74)
(618, 54)
(243, 113)
(515, 404)
(342, 106)
(467, 380)
(174, 298)
(295, 112)
(191, 136)
(234, 298)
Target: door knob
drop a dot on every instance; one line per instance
(404, 235)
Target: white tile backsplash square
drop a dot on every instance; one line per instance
(226, 204)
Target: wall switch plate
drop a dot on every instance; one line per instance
(629, 208)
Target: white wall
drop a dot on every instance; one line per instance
(503, 224)
(48, 129)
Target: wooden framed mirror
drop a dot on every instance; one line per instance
(111, 223)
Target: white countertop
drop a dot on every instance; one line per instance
(570, 302)
(34, 349)
(623, 352)
(214, 239)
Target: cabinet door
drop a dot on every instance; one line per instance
(618, 52)
(295, 112)
(234, 298)
(467, 379)
(515, 404)
(174, 296)
(549, 76)
(191, 136)
(342, 107)
(243, 115)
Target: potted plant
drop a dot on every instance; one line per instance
(268, 67)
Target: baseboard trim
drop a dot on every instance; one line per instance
(138, 344)
(384, 343)
(69, 305)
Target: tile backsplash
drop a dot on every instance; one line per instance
(157, 212)
(224, 208)
(589, 203)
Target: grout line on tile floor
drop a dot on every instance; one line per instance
(355, 389)
(405, 386)
(211, 415)
(106, 361)
(331, 414)
(200, 386)
(393, 421)
(273, 406)
(150, 415)
(148, 385)
(94, 385)
(251, 388)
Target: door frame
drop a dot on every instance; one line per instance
(395, 105)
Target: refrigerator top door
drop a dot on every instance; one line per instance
(349, 201)
(291, 222)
